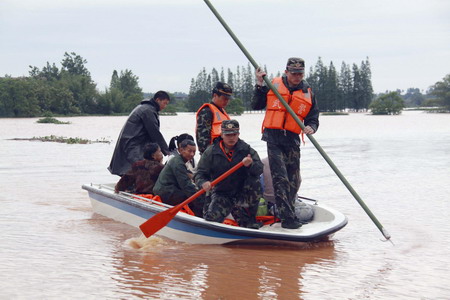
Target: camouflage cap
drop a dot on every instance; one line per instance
(295, 65)
(230, 127)
(223, 88)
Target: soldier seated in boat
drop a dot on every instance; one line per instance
(240, 192)
(143, 174)
(174, 184)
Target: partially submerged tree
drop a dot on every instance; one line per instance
(387, 104)
(441, 90)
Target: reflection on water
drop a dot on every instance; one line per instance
(174, 270)
(54, 247)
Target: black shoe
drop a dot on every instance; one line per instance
(291, 223)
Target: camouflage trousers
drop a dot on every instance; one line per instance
(243, 205)
(284, 164)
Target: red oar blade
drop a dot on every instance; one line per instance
(158, 221)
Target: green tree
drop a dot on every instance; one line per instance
(441, 90)
(357, 99)
(366, 84)
(248, 83)
(331, 89)
(129, 86)
(230, 77)
(18, 97)
(115, 81)
(74, 64)
(346, 86)
(199, 91)
(214, 76)
(222, 75)
(235, 107)
(387, 104)
(413, 97)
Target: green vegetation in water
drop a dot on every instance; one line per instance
(61, 139)
(335, 113)
(51, 120)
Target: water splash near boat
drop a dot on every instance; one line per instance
(150, 244)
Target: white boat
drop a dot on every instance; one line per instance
(135, 210)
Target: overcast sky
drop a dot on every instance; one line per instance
(167, 42)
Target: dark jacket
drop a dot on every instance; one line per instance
(174, 178)
(141, 178)
(284, 137)
(141, 128)
(214, 163)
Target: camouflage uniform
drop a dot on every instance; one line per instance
(203, 132)
(205, 118)
(239, 193)
(283, 147)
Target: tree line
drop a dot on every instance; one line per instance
(70, 90)
(349, 89)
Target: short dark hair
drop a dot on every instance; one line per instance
(161, 95)
(186, 143)
(178, 139)
(149, 150)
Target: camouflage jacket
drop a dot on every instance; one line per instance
(203, 129)
(214, 163)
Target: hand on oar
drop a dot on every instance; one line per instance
(158, 221)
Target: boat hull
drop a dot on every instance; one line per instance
(190, 229)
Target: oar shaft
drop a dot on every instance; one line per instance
(300, 123)
(213, 183)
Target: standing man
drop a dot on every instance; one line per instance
(141, 128)
(239, 193)
(210, 116)
(282, 133)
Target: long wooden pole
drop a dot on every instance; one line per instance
(300, 123)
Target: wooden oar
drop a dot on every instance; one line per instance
(300, 123)
(158, 221)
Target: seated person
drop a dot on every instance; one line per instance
(174, 185)
(143, 174)
(174, 149)
(240, 192)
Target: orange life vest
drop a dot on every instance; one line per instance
(218, 117)
(277, 117)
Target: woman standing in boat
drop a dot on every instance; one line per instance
(174, 184)
(141, 178)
